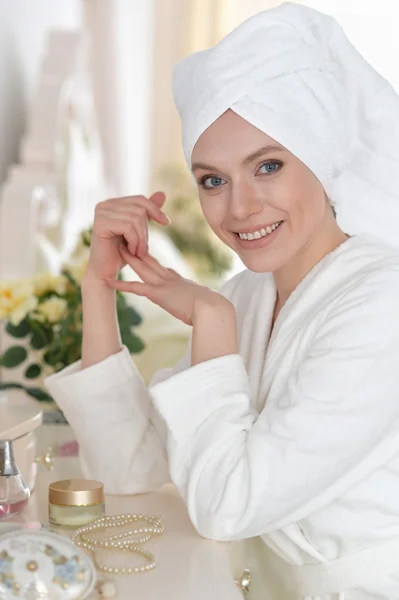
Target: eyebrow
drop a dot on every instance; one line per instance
(248, 159)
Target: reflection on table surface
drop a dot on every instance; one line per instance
(189, 566)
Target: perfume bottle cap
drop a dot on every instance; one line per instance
(7, 461)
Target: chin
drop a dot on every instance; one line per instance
(262, 264)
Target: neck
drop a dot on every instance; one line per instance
(291, 274)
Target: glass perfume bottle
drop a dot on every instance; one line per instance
(14, 493)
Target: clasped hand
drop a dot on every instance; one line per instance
(178, 296)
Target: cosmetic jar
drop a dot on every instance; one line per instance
(75, 502)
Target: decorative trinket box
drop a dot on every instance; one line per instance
(43, 565)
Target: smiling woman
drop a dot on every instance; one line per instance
(282, 419)
(248, 183)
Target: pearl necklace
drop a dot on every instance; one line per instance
(119, 541)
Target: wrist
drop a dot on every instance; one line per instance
(91, 281)
(214, 329)
(214, 304)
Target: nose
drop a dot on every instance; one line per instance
(244, 201)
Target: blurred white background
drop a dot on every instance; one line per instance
(24, 27)
(135, 44)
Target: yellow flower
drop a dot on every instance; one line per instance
(46, 282)
(17, 299)
(77, 268)
(52, 309)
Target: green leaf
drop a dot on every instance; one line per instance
(13, 357)
(51, 357)
(46, 295)
(121, 301)
(133, 343)
(18, 331)
(38, 341)
(33, 371)
(135, 318)
(124, 320)
(39, 394)
(74, 351)
(127, 315)
(86, 237)
(41, 337)
(11, 386)
(68, 275)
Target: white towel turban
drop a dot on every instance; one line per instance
(291, 72)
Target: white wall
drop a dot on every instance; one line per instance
(23, 28)
(372, 27)
(236, 11)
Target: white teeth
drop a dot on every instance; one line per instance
(256, 235)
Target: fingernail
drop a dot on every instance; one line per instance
(167, 218)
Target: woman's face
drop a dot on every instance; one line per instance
(258, 198)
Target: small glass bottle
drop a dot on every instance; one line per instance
(14, 493)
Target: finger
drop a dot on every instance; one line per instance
(142, 231)
(155, 265)
(132, 240)
(135, 232)
(133, 287)
(139, 204)
(114, 225)
(174, 274)
(146, 242)
(158, 198)
(143, 270)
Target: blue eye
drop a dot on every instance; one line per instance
(211, 182)
(268, 165)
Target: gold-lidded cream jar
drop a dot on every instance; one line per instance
(75, 502)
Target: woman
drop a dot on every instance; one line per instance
(282, 420)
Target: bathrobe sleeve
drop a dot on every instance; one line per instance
(336, 419)
(122, 439)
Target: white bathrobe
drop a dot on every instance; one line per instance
(296, 438)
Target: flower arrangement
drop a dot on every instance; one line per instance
(44, 313)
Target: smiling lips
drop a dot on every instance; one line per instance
(257, 234)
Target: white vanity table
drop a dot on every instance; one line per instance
(189, 567)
